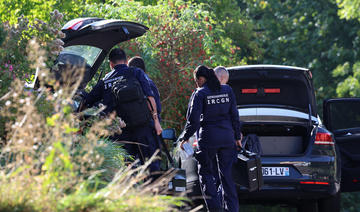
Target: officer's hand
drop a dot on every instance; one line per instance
(182, 143)
(158, 128)
(238, 144)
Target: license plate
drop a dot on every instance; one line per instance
(276, 171)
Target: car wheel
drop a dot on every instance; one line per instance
(330, 204)
(307, 206)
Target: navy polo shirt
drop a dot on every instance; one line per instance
(216, 115)
(102, 90)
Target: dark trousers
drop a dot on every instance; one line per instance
(141, 142)
(210, 188)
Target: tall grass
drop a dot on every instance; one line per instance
(52, 161)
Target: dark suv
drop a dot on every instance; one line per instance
(304, 161)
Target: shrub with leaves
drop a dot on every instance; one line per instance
(14, 60)
(14, 57)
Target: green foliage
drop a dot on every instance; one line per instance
(349, 72)
(114, 158)
(15, 61)
(233, 27)
(350, 80)
(11, 10)
(349, 9)
(307, 34)
(350, 202)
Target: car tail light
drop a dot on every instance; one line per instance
(324, 139)
(272, 90)
(249, 90)
(76, 25)
(73, 25)
(255, 90)
(313, 183)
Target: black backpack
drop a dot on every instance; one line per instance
(131, 103)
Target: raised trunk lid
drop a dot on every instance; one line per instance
(273, 86)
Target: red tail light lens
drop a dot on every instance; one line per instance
(73, 25)
(272, 90)
(324, 139)
(313, 183)
(249, 90)
(255, 90)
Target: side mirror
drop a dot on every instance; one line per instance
(169, 134)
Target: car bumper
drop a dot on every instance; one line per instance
(288, 192)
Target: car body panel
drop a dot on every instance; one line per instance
(101, 33)
(259, 114)
(342, 117)
(273, 86)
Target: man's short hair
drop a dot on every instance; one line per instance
(221, 71)
(117, 54)
(137, 62)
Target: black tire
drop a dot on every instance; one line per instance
(330, 204)
(307, 206)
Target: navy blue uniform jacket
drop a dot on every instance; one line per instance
(102, 90)
(216, 115)
(156, 97)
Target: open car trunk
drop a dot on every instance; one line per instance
(276, 103)
(278, 138)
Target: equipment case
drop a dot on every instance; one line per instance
(247, 171)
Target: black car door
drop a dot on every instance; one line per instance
(342, 118)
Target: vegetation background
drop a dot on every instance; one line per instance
(322, 35)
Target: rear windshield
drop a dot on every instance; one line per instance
(89, 53)
(287, 93)
(345, 115)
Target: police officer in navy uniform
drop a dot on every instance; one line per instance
(213, 112)
(138, 62)
(102, 92)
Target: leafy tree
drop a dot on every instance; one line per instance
(349, 72)
(11, 10)
(349, 9)
(308, 34)
(236, 28)
(14, 59)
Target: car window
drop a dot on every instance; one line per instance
(345, 115)
(89, 53)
